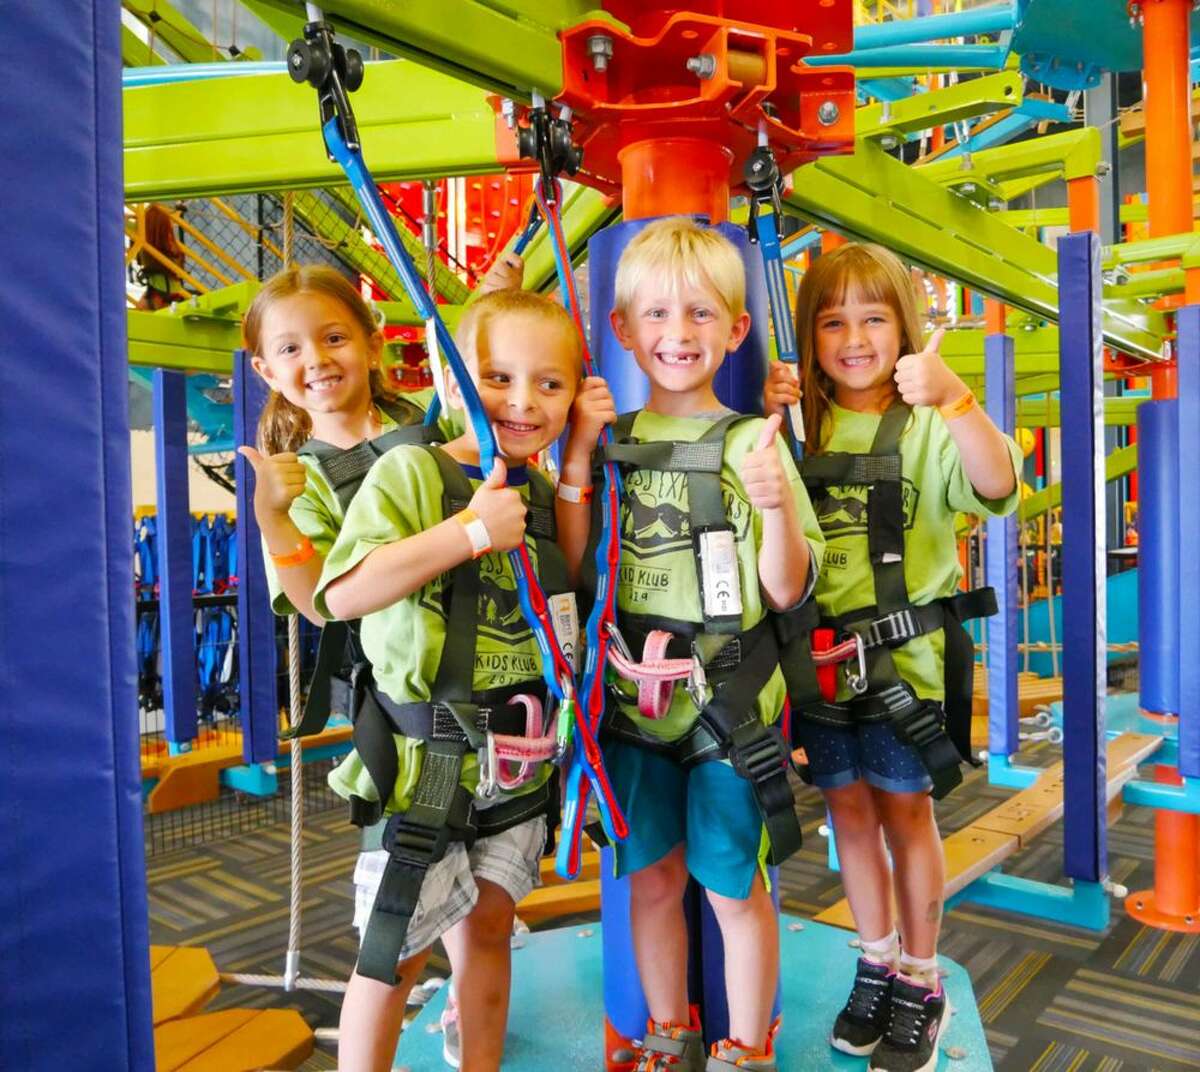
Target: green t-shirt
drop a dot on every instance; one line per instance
(400, 497)
(936, 488)
(316, 511)
(658, 565)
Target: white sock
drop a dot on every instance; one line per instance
(885, 950)
(921, 970)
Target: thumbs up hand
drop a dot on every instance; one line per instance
(762, 472)
(278, 480)
(924, 379)
(501, 509)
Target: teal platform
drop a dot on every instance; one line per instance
(557, 1019)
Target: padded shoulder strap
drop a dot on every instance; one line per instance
(885, 515)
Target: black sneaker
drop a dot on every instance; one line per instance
(861, 1023)
(918, 1016)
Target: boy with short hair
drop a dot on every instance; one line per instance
(712, 541)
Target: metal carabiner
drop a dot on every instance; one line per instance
(697, 682)
(615, 636)
(858, 682)
(488, 788)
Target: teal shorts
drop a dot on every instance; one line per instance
(708, 808)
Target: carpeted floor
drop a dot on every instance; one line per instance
(1052, 998)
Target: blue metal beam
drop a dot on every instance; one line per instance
(1187, 468)
(983, 20)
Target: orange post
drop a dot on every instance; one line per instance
(830, 240)
(670, 176)
(1083, 203)
(1174, 903)
(995, 316)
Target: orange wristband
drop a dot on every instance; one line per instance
(958, 408)
(304, 551)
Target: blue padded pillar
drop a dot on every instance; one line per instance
(1000, 563)
(1158, 555)
(257, 685)
(74, 956)
(1085, 649)
(176, 616)
(1188, 470)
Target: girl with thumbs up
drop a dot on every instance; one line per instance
(896, 446)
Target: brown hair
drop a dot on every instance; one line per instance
(870, 273)
(283, 426)
(501, 303)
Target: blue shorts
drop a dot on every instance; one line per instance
(871, 751)
(708, 808)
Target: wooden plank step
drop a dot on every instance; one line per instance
(566, 899)
(183, 979)
(992, 838)
(234, 1040)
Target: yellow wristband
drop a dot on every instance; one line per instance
(958, 408)
(304, 551)
(477, 533)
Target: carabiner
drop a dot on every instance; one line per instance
(488, 788)
(858, 682)
(697, 682)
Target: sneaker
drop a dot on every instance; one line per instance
(451, 1040)
(863, 1019)
(729, 1053)
(917, 1018)
(678, 1047)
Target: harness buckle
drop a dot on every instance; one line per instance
(489, 786)
(413, 844)
(858, 682)
(760, 758)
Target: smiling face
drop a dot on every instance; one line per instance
(526, 369)
(679, 337)
(316, 353)
(857, 345)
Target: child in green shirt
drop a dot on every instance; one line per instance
(876, 756)
(680, 309)
(410, 563)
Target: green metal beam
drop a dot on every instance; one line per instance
(1035, 352)
(260, 133)
(1072, 154)
(175, 340)
(1121, 461)
(874, 197)
(505, 46)
(137, 53)
(180, 35)
(963, 100)
(1119, 412)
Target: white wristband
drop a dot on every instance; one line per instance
(572, 494)
(477, 533)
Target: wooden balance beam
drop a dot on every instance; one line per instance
(195, 777)
(559, 897)
(974, 850)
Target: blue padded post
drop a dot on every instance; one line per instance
(1158, 555)
(175, 612)
(1000, 563)
(740, 381)
(257, 685)
(1188, 470)
(74, 951)
(1085, 823)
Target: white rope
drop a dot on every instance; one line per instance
(329, 986)
(288, 227)
(292, 967)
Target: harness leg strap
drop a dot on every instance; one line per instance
(923, 729)
(415, 840)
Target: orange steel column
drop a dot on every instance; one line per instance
(669, 176)
(1166, 86)
(830, 240)
(1174, 903)
(1083, 203)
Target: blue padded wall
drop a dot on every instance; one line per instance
(74, 960)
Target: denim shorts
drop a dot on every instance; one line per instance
(840, 755)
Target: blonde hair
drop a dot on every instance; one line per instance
(283, 426)
(869, 274)
(476, 322)
(680, 250)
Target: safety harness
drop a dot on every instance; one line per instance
(501, 726)
(943, 740)
(726, 667)
(344, 469)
